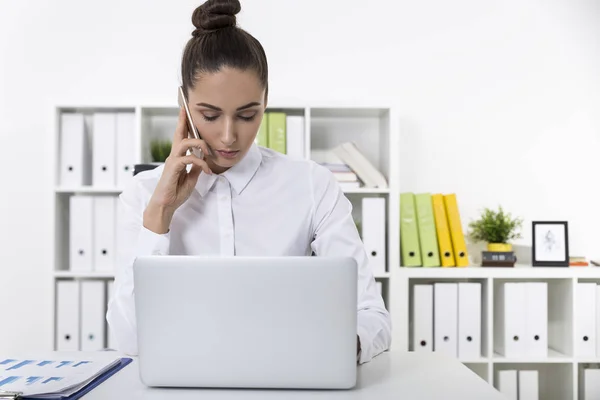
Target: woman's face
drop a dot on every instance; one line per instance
(227, 108)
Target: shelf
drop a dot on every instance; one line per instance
(383, 276)
(587, 360)
(88, 190)
(84, 275)
(482, 360)
(518, 272)
(553, 357)
(367, 191)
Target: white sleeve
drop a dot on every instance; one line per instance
(134, 240)
(335, 234)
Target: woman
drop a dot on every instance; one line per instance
(240, 199)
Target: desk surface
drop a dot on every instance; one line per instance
(391, 375)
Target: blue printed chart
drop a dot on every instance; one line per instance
(43, 376)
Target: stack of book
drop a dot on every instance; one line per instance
(578, 261)
(340, 170)
(498, 258)
(365, 171)
(431, 233)
(350, 167)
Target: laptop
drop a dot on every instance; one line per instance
(246, 322)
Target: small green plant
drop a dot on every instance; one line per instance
(495, 227)
(160, 150)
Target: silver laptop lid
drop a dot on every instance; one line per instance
(285, 322)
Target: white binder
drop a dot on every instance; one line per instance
(104, 149)
(422, 318)
(445, 320)
(585, 320)
(536, 319)
(111, 337)
(528, 385)
(507, 384)
(373, 232)
(93, 308)
(591, 384)
(469, 320)
(379, 286)
(74, 151)
(125, 148)
(598, 321)
(104, 233)
(509, 319)
(295, 136)
(80, 233)
(67, 316)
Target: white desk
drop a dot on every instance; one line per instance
(392, 375)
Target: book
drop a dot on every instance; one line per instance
(349, 185)
(575, 261)
(56, 378)
(366, 172)
(498, 263)
(345, 176)
(498, 256)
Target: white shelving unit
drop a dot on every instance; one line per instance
(376, 132)
(560, 373)
(374, 129)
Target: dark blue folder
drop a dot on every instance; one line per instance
(95, 382)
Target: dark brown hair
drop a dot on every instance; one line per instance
(217, 42)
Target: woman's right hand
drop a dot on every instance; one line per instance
(176, 183)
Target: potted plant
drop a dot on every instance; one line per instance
(497, 228)
(159, 151)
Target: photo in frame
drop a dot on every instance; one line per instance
(550, 244)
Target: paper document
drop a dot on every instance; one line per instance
(48, 378)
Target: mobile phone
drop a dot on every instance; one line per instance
(192, 130)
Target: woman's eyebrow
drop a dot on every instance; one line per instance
(254, 103)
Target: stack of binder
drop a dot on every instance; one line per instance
(431, 233)
(447, 318)
(283, 133)
(522, 384)
(92, 233)
(97, 151)
(80, 315)
(521, 319)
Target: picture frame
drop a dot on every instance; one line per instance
(550, 244)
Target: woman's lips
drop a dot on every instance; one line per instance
(228, 154)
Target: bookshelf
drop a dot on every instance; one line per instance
(373, 128)
(376, 132)
(561, 371)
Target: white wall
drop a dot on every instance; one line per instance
(500, 102)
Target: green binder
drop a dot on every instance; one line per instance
(427, 234)
(262, 137)
(409, 231)
(277, 132)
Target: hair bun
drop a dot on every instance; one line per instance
(214, 15)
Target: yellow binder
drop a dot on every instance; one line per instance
(409, 231)
(456, 232)
(442, 230)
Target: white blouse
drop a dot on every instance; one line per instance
(266, 205)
